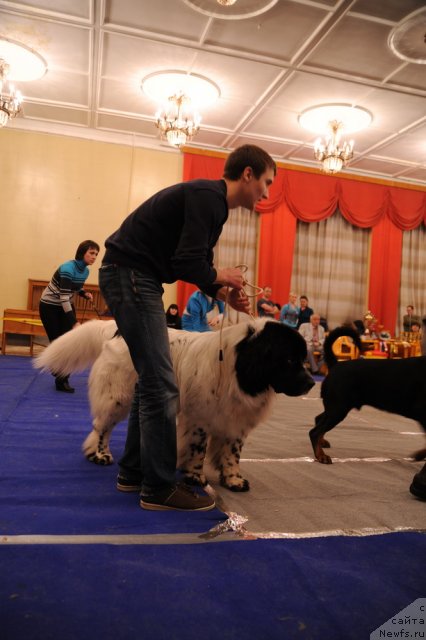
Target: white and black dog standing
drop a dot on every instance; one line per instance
(221, 400)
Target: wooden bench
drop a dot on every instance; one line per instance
(26, 322)
(21, 322)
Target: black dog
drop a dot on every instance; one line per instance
(396, 386)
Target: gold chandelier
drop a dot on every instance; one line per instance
(226, 3)
(177, 121)
(332, 120)
(10, 98)
(333, 154)
(22, 64)
(179, 95)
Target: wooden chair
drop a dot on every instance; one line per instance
(414, 340)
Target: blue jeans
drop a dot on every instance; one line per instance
(135, 301)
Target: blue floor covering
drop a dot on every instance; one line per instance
(334, 588)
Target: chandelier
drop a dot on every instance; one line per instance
(226, 3)
(332, 120)
(177, 121)
(19, 63)
(180, 95)
(332, 154)
(10, 98)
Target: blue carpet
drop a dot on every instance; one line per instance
(314, 589)
(46, 485)
(321, 589)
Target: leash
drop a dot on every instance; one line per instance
(257, 291)
(86, 300)
(95, 309)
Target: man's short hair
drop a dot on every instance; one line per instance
(248, 155)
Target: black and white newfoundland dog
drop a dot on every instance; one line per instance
(221, 401)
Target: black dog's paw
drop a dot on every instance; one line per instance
(419, 455)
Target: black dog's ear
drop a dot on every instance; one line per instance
(287, 340)
(250, 355)
(260, 354)
(264, 357)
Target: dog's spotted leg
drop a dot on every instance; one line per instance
(225, 456)
(192, 451)
(96, 446)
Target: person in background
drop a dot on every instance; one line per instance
(171, 236)
(314, 335)
(265, 305)
(173, 318)
(409, 318)
(56, 309)
(415, 327)
(290, 312)
(194, 317)
(305, 311)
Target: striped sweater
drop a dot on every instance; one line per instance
(67, 279)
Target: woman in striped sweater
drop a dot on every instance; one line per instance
(57, 312)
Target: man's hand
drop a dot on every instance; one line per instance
(232, 277)
(88, 296)
(239, 301)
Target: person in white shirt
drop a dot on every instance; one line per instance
(314, 335)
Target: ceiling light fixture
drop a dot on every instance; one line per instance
(180, 96)
(19, 63)
(231, 9)
(333, 120)
(177, 122)
(10, 98)
(407, 40)
(332, 154)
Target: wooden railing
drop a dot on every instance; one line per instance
(26, 322)
(36, 288)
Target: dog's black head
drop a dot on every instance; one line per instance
(273, 357)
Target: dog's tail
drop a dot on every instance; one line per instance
(77, 349)
(329, 355)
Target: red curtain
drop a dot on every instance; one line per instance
(311, 197)
(276, 246)
(385, 272)
(197, 166)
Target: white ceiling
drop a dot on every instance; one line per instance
(269, 68)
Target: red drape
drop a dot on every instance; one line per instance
(312, 197)
(385, 272)
(197, 166)
(277, 237)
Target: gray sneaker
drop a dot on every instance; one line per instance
(179, 498)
